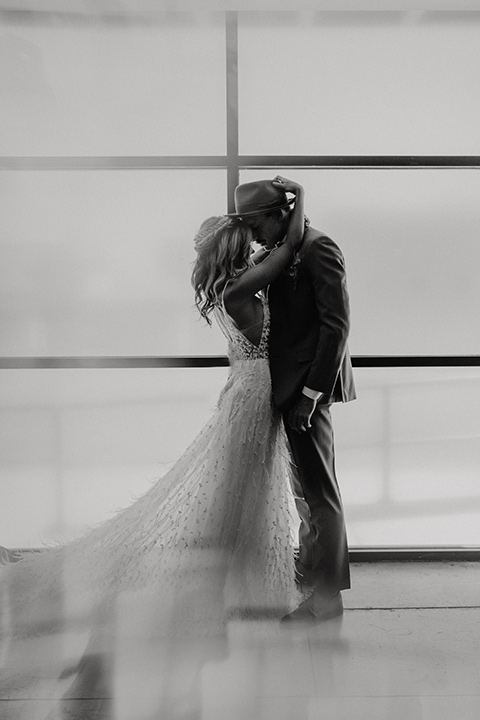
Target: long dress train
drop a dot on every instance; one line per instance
(211, 540)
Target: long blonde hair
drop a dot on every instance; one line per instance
(223, 252)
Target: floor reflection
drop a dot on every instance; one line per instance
(406, 647)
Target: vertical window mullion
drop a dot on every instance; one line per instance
(231, 36)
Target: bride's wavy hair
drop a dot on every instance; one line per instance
(223, 252)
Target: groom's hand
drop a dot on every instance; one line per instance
(300, 414)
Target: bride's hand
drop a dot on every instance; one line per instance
(287, 185)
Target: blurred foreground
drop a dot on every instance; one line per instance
(407, 647)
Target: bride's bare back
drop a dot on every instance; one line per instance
(247, 314)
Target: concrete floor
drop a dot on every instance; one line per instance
(407, 648)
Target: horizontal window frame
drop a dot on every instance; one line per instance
(242, 162)
(374, 554)
(199, 361)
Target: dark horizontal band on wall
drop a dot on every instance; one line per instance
(243, 162)
(369, 554)
(416, 361)
(414, 554)
(127, 162)
(199, 361)
(99, 362)
(359, 161)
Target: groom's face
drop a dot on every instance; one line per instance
(267, 229)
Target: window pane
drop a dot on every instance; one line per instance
(78, 444)
(99, 263)
(408, 457)
(140, 86)
(410, 240)
(362, 83)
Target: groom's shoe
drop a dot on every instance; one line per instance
(316, 609)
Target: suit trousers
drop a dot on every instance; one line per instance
(323, 557)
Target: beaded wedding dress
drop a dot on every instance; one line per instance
(210, 541)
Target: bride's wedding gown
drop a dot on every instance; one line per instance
(211, 540)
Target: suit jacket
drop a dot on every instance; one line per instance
(310, 321)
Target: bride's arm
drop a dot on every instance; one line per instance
(259, 256)
(262, 274)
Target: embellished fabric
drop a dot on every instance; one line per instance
(211, 539)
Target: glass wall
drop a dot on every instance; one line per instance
(408, 457)
(87, 83)
(366, 83)
(98, 261)
(410, 240)
(75, 445)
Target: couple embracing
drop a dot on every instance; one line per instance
(214, 537)
(295, 292)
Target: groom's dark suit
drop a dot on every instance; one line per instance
(309, 310)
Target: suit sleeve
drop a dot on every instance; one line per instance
(326, 269)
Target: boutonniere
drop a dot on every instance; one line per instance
(294, 269)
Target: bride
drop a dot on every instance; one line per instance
(213, 539)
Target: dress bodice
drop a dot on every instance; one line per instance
(239, 347)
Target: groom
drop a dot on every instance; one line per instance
(310, 368)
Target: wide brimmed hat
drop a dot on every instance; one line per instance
(258, 197)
